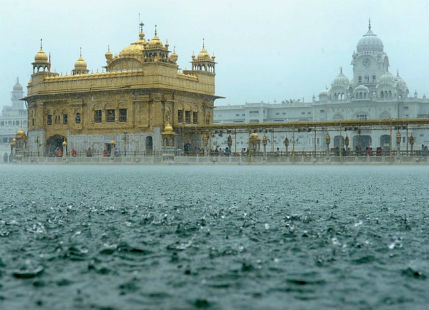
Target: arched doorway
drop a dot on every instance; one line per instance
(149, 145)
(187, 148)
(337, 140)
(361, 142)
(53, 144)
(385, 142)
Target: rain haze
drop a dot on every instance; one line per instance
(266, 51)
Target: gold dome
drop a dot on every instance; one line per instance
(20, 133)
(174, 56)
(203, 55)
(134, 49)
(80, 63)
(254, 136)
(155, 42)
(108, 53)
(41, 57)
(168, 130)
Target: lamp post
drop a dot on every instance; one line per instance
(12, 148)
(206, 143)
(64, 148)
(168, 140)
(229, 143)
(411, 143)
(346, 142)
(286, 142)
(398, 142)
(125, 142)
(112, 146)
(328, 141)
(253, 143)
(37, 143)
(264, 142)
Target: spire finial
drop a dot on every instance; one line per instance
(108, 47)
(341, 70)
(80, 52)
(41, 44)
(17, 80)
(156, 32)
(203, 44)
(369, 24)
(174, 48)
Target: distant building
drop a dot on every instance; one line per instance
(12, 119)
(373, 93)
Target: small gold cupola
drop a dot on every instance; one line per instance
(41, 61)
(108, 55)
(80, 66)
(155, 42)
(155, 51)
(173, 57)
(203, 62)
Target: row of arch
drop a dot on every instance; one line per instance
(384, 94)
(55, 142)
(362, 115)
(362, 141)
(204, 67)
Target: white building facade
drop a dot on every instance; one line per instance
(372, 94)
(12, 119)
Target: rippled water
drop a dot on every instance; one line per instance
(218, 237)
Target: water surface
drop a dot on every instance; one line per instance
(217, 237)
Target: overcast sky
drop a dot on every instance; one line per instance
(266, 50)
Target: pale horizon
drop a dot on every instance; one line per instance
(277, 51)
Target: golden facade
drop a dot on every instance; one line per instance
(140, 93)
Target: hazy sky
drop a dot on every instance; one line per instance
(266, 50)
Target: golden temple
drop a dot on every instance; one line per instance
(136, 102)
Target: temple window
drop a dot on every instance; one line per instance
(373, 78)
(57, 119)
(97, 116)
(360, 79)
(77, 118)
(362, 117)
(122, 115)
(195, 117)
(188, 117)
(180, 116)
(65, 119)
(49, 122)
(110, 116)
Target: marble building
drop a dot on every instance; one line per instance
(372, 93)
(12, 119)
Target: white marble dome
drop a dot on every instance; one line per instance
(323, 93)
(400, 83)
(341, 81)
(370, 43)
(362, 88)
(387, 79)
